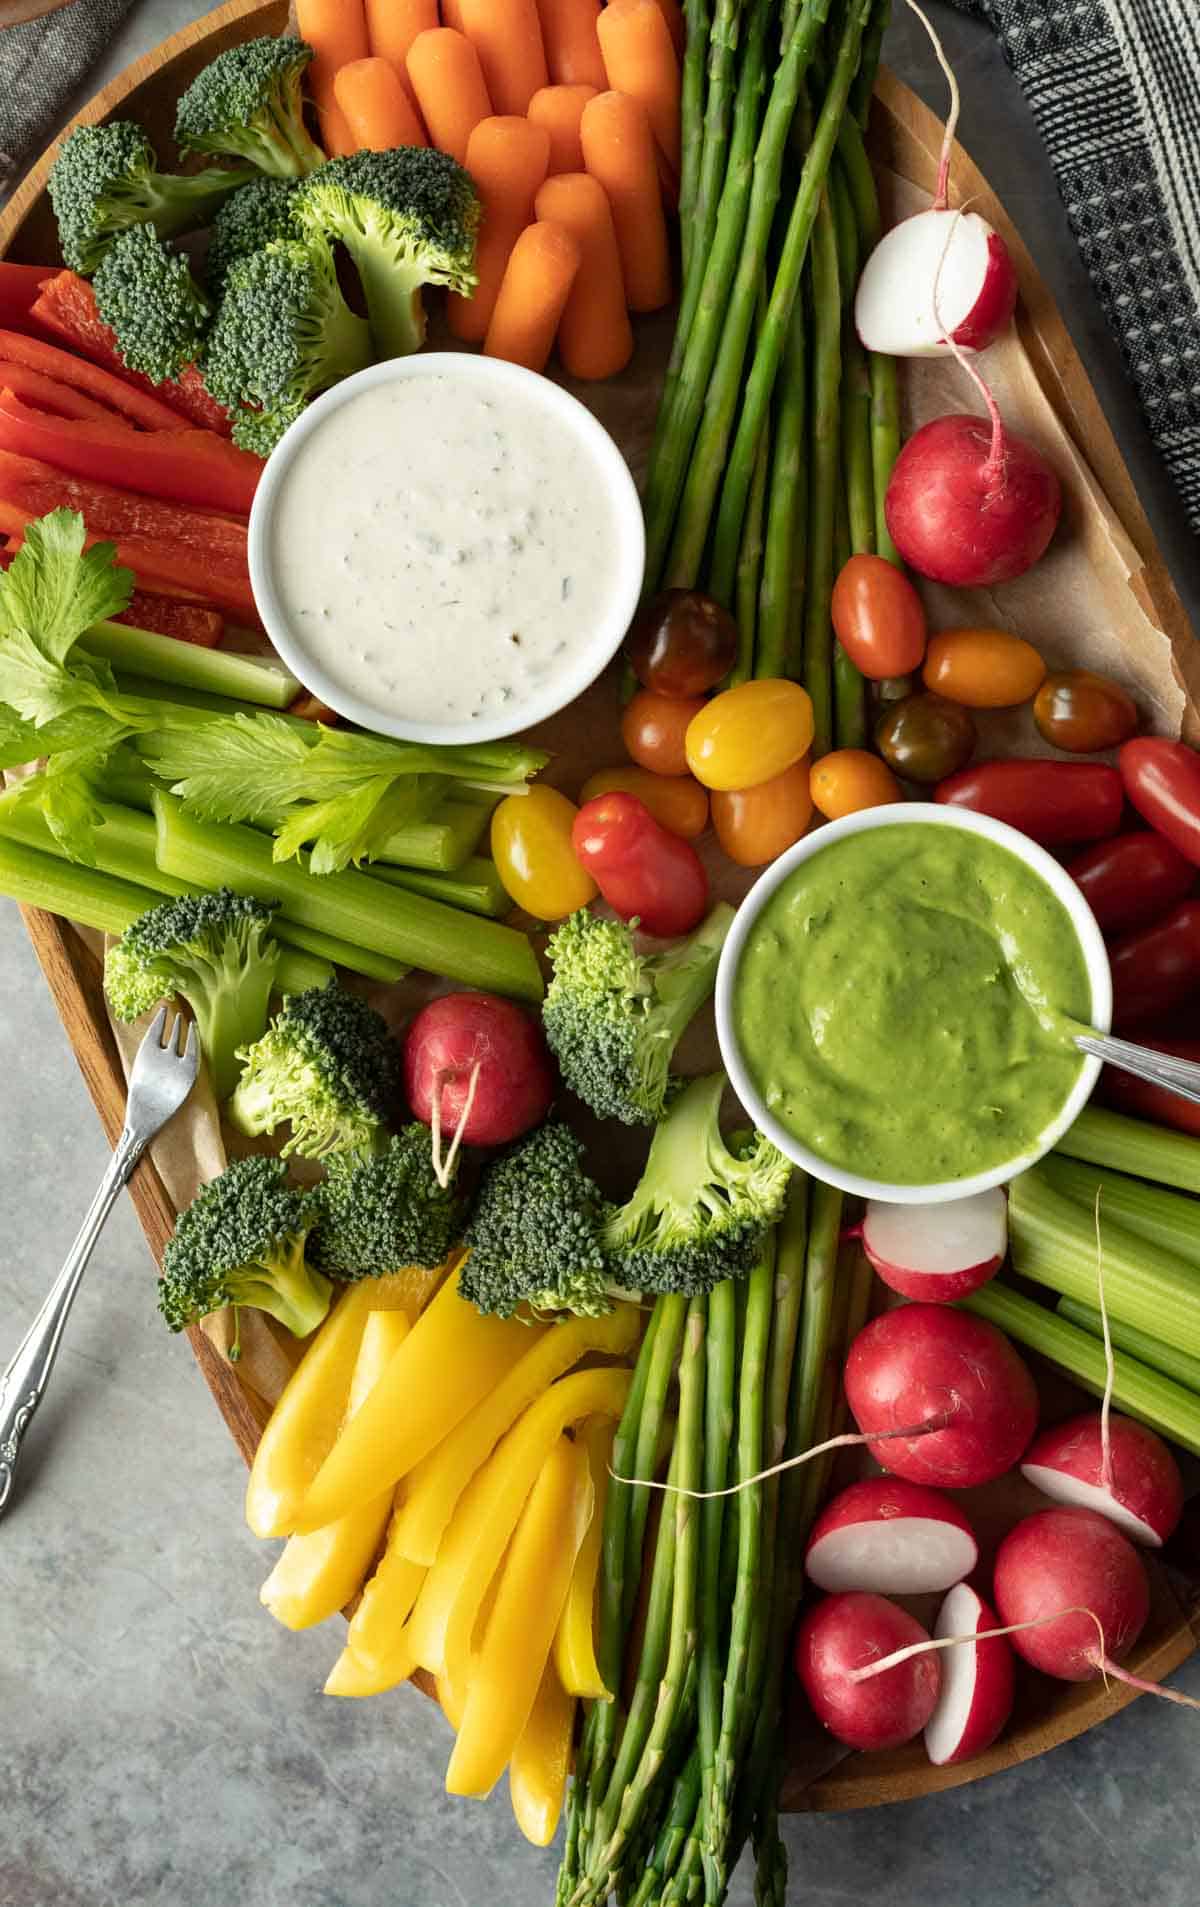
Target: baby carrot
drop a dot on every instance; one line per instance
(536, 285)
(378, 110)
(507, 158)
(572, 44)
(337, 32)
(594, 338)
(672, 13)
(618, 150)
(393, 25)
(448, 82)
(507, 36)
(559, 109)
(640, 61)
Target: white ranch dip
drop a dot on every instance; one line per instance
(440, 547)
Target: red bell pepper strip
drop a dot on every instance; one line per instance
(19, 287)
(47, 394)
(169, 616)
(185, 466)
(66, 306)
(138, 406)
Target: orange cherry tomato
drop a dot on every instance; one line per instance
(531, 846)
(754, 825)
(653, 728)
(677, 802)
(983, 668)
(850, 779)
(749, 734)
(878, 617)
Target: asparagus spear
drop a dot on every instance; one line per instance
(718, 1441)
(673, 1835)
(885, 400)
(782, 588)
(691, 114)
(749, 568)
(824, 474)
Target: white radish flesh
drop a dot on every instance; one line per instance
(891, 1537)
(976, 1696)
(938, 1253)
(1078, 1563)
(841, 1634)
(961, 255)
(1144, 1493)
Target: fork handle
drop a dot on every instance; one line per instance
(23, 1385)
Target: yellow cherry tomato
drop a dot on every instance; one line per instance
(676, 801)
(983, 668)
(754, 825)
(749, 734)
(531, 846)
(850, 779)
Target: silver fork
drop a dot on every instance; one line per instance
(164, 1073)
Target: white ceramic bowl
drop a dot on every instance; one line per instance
(591, 649)
(909, 814)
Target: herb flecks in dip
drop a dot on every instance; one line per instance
(439, 546)
(901, 1003)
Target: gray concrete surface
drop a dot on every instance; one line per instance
(161, 1741)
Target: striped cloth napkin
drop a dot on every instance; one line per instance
(42, 66)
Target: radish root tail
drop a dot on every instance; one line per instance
(871, 1669)
(443, 1168)
(848, 1441)
(939, 52)
(1143, 1687)
(994, 465)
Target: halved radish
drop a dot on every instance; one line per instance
(968, 262)
(937, 1252)
(976, 1696)
(840, 1635)
(1144, 1494)
(892, 1537)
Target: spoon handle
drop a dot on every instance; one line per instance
(1180, 1076)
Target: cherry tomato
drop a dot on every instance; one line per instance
(754, 825)
(1132, 880)
(644, 872)
(682, 643)
(531, 846)
(1083, 712)
(653, 728)
(925, 738)
(850, 779)
(1156, 969)
(878, 617)
(677, 801)
(1162, 779)
(982, 668)
(750, 734)
(1054, 802)
(1142, 1100)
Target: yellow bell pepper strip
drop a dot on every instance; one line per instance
(435, 1486)
(317, 1574)
(575, 1639)
(451, 1359)
(511, 1661)
(348, 1677)
(537, 1773)
(448, 1701)
(443, 1622)
(305, 1422)
(378, 1636)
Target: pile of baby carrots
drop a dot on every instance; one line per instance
(567, 117)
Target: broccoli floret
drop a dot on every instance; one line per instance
(106, 178)
(329, 1065)
(250, 218)
(282, 333)
(248, 103)
(385, 1213)
(214, 949)
(146, 294)
(408, 218)
(699, 1211)
(614, 1016)
(534, 1231)
(242, 1241)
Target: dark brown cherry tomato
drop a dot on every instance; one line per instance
(1132, 880)
(654, 727)
(682, 643)
(1054, 802)
(644, 872)
(1162, 779)
(1083, 712)
(1143, 1100)
(878, 617)
(1156, 969)
(925, 738)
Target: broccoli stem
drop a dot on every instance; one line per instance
(231, 1005)
(257, 679)
(290, 1290)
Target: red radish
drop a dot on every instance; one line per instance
(477, 1048)
(976, 1696)
(970, 503)
(966, 259)
(937, 1252)
(1075, 1561)
(838, 1636)
(927, 1363)
(890, 1536)
(1144, 1496)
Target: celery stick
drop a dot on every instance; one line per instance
(356, 907)
(1169, 1219)
(1160, 1357)
(1145, 1394)
(1053, 1242)
(82, 894)
(475, 886)
(1134, 1145)
(259, 679)
(182, 695)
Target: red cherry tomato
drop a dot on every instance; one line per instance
(1132, 880)
(1162, 779)
(878, 617)
(1054, 802)
(653, 728)
(1145, 1101)
(1156, 969)
(644, 872)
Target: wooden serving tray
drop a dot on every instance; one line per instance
(906, 138)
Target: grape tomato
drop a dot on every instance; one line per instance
(1054, 802)
(531, 846)
(677, 801)
(654, 727)
(682, 643)
(925, 737)
(1162, 779)
(644, 872)
(755, 825)
(850, 779)
(983, 668)
(1082, 712)
(750, 733)
(1131, 880)
(1141, 1099)
(1157, 968)
(878, 618)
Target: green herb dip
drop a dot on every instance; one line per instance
(901, 1002)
